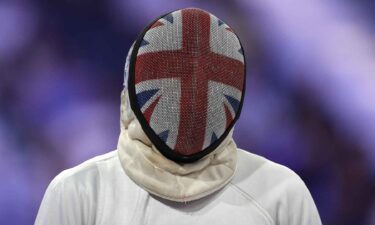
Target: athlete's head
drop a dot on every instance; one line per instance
(185, 79)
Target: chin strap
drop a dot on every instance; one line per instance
(149, 169)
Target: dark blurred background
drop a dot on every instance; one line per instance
(310, 101)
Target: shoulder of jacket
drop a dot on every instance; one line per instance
(268, 184)
(254, 168)
(86, 172)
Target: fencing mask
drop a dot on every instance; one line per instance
(186, 83)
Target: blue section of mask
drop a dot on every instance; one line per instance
(213, 137)
(144, 43)
(220, 22)
(169, 18)
(233, 102)
(164, 135)
(144, 96)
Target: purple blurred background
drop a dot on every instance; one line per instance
(310, 101)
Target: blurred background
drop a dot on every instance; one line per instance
(309, 105)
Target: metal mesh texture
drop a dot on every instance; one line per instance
(189, 78)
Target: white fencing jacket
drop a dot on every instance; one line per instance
(136, 185)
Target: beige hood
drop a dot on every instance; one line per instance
(149, 169)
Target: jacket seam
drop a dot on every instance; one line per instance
(256, 203)
(101, 199)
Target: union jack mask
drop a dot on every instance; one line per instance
(186, 82)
